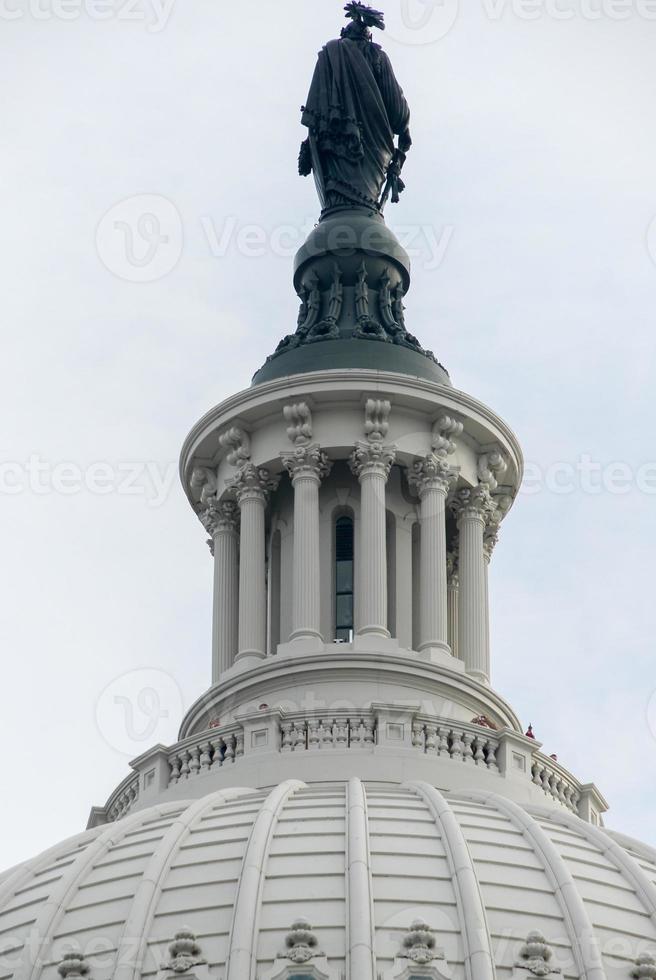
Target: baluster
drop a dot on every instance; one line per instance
(313, 736)
(443, 735)
(299, 738)
(175, 764)
(418, 736)
(491, 755)
(468, 738)
(229, 749)
(205, 756)
(553, 781)
(286, 729)
(431, 739)
(457, 746)
(560, 789)
(194, 762)
(341, 737)
(239, 744)
(479, 754)
(333, 733)
(369, 731)
(216, 746)
(576, 799)
(544, 776)
(537, 774)
(184, 769)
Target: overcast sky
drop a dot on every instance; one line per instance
(530, 197)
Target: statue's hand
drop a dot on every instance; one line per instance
(405, 141)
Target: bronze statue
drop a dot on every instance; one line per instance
(354, 110)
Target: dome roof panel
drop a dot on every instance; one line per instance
(239, 867)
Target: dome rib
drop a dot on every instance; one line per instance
(136, 932)
(35, 954)
(623, 861)
(581, 932)
(479, 962)
(361, 933)
(244, 930)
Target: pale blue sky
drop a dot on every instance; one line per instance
(533, 161)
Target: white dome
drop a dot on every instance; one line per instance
(360, 861)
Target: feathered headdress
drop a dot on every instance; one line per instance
(366, 16)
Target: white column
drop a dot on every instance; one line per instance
(431, 478)
(371, 462)
(252, 486)
(452, 590)
(490, 539)
(306, 467)
(221, 520)
(473, 507)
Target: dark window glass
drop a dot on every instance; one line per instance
(343, 578)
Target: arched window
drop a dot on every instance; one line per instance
(344, 578)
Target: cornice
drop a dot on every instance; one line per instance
(408, 672)
(283, 390)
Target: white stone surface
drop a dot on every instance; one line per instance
(360, 861)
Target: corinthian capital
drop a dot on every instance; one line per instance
(220, 517)
(473, 504)
(500, 506)
(253, 482)
(430, 473)
(372, 458)
(306, 461)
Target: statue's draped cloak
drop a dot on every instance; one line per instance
(354, 109)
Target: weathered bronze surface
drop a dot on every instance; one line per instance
(354, 110)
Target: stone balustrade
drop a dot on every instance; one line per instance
(211, 750)
(380, 729)
(461, 743)
(315, 734)
(123, 798)
(556, 782)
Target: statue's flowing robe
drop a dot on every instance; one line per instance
(354, 110)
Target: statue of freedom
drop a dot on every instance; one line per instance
(354, 110)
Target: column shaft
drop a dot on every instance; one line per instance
(472, 603)
(252, 580)
(372, 462)
(433, 578)
(225, 622)
(307, 594)
(452, 615)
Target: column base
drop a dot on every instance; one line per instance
(301, 643)
(480, 677)
(247, 658)
(438, 653)
(378, 631)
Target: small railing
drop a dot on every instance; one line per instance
(504, 752)
(315, 734)
(556, 782)
(461, 743)
(206, 751)
(124, 798)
